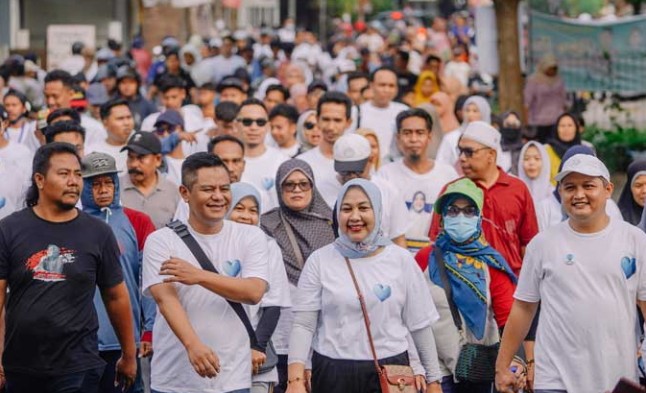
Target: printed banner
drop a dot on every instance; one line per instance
(593, 55)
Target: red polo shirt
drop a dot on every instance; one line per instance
(509, 223)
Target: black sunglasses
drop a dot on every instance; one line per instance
(469, 152)
(290, 186)
(309, 125)
(247, 122)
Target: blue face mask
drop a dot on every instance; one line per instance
(461, 228)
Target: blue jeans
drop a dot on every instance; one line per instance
(80, 382)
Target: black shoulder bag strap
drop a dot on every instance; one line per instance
(441, 267)
(182, 231)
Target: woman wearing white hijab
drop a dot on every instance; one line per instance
(534, 170)
(328, 316)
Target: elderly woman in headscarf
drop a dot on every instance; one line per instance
(460, 267)
(545, 97)
(300, 225)
(329, 317)
(427, 85)
(245, 209)
(633, 196)
(307, 131)
(534, 170)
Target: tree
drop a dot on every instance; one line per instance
(510, 79)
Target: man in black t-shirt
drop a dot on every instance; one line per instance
(52, 259)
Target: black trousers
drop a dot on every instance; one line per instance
(356, 376)
(79, 382)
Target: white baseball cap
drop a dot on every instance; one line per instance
(484, 134)
(351, 153)
(585, 165)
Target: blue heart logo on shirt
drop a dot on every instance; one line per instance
(232, 268)
(267, 183)
(382, 291)
(3, 202)
(629, 266)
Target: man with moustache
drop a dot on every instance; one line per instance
(144, 187)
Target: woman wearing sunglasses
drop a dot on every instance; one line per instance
(300, 225)
(307, 131)
(329, 317)
(465, 261)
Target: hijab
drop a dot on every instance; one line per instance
(300, 130)
(312, 226)
(630, 210)
(465, 267)
(541, 187)
(446, 114)
(545, 63)
(573, 151)
(193, 50)
(511, 136)
(559, 145)
(375, 239)
(240, 191)
(483, 106)
(419, 98)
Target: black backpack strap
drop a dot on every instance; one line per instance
(182, 231)
(439, 260)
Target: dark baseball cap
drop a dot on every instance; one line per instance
(230, 82)
(143, 143)
(170, 116)
(316, 84)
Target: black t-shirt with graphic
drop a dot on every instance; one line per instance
(52, 270)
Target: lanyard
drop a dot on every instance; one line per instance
(22, 133)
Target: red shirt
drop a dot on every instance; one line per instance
(142, 225)
(501, 288)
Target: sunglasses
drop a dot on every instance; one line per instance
(454, 211)
(469, 152)
(247, 122)
(290, 186)
(309, 125)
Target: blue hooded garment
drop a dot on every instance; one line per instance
(130, 264)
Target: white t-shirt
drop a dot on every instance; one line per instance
(419, 192)
(94, 130)
(447, 153)
(237, 251)
(19, 157)
(382, 122)
(261, 172)
(549, 212)
(324, 174)
(395, 293)
(394, 220)
(24, 135)
(174, 173)
(277, 296)
(115, 151)
(586, 337)
(290, 151)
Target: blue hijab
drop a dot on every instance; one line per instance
(240, 191)
(375, 239)
(465, 266)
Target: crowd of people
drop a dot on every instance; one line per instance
(260, 213)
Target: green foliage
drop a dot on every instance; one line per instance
(617, 148)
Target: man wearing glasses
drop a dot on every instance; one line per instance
(261, 161)
(418, 178)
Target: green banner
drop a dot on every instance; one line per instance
(593, 55)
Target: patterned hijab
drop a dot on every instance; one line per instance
(312, 226)
(375, 239)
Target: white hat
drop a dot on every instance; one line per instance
(484, 134)
(585, 165)
(351, 153)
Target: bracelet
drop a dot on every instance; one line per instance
(297, 379)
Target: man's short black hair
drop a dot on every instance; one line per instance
(62, 127)
(107, 107)
(279, 88)
(64, 112)
(224, 138)
(431, 58)
(60, 76)
(357, 75)
(226, 111)
(208, 86)
(335, 97)
(168, 82)
(382, 68)
(415, 112)
(42, 163)
(285, 110)
(251, 102)
(404, 55)
(197, 161)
